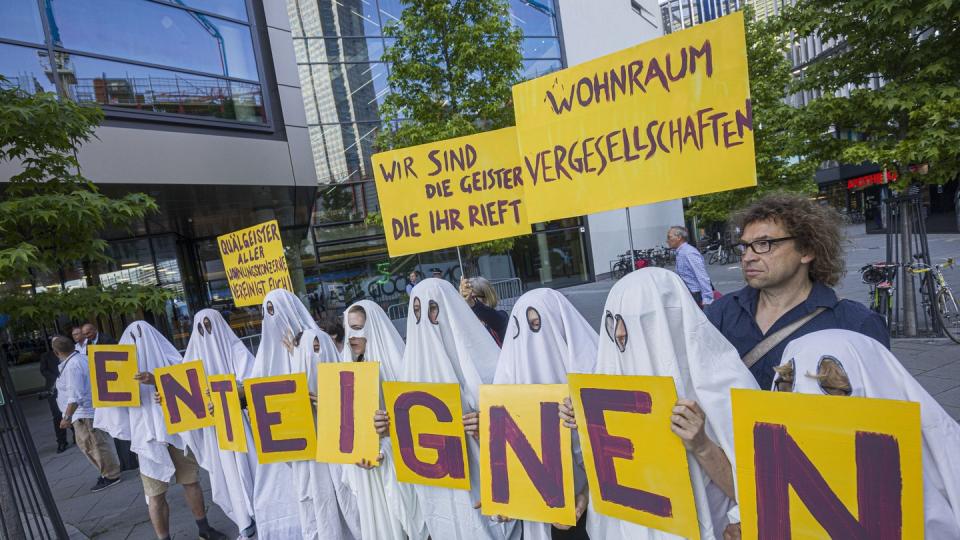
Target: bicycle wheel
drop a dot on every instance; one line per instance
(619, 270)
(948, 314)
(883, 306)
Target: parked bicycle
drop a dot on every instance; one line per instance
(880, 277)
(942, 304)
(720, 253)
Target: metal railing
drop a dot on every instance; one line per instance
(27, 507)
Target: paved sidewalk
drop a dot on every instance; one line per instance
(118, 512)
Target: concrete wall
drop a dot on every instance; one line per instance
(591, 30)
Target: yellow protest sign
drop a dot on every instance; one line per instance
(348, 395)
(666, 119)
(112, 368)
(426, 434)
(254, 262)
(526, 462)
(228, 416)
(183, 391)
(818, 466)
(450, 193)
(281, 418)
(636, 467)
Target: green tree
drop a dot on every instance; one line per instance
(452, 67)
(50, 215)
(900, 59)
(453, 64)
(778, 134)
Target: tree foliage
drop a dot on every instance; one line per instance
(899, 60)
(779, 136)
(453, 64)
(50, 215)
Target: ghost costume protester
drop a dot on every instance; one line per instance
(653, 326)
(546, 339)
(232, 474)
(388, 509)
(447, 344)
(841, 362)
(277, 506)
(327, 508)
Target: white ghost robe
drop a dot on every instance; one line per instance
(388, 508)
(668, 335)
(327, 508)
(232, 474)
(874, 372)
(275, 497)
(143, 426)
(563, 343)
(454, 348)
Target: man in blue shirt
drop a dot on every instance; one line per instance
(690, 266)
(791, 257)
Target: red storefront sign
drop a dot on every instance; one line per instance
(874, 179)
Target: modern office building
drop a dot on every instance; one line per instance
(339, 46)
(203, 112)
(677, 15)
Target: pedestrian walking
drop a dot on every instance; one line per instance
(690, 266)
(76, 404)
(50, 369)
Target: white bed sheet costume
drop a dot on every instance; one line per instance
(668, 335)
(232, 474)
(563, 343)
(446, 343)
(874, 372)
(388, 509)
(328, 509)
(143, 426)
(282, 512)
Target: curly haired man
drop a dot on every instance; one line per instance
(792, 256)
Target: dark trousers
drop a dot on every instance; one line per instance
(698, 297)
(128, 460)
(57, 416)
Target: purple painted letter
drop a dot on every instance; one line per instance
(222, 387)
(607, 447)
(104, 376)
(547, 475)
(346, 411)
(266, 419)
(449, 448)
(192, 398)
(781, 464)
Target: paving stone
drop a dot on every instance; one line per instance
(950, 398)
(936, 385)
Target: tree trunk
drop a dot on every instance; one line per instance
(906, 250)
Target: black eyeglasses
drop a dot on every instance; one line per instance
(761, 246)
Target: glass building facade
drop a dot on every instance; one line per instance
(165, 72)
(194, 59)
(339, 46)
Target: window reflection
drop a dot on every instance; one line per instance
(234, 9)
(20, 20)
(26, 68)
(541, 47)
(533, 17)
(538, 68)
(132, 87)
(155, 33)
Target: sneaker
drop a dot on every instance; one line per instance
(104, 483)
(62, 447)
(213, 534)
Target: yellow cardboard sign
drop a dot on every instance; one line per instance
(665, 119)
(817, 466)
(254, 262)
(281, 418)
(228, 417)
(526, 462)
(636, 466)
(451, 193)
(183, 391)
(348, 395)
(112, 368)
(426, 434)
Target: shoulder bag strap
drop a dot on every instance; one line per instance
(777, 337)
